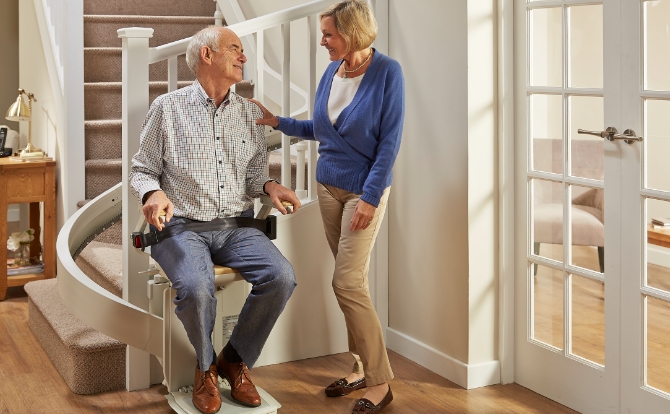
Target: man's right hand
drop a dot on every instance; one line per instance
(154, 206)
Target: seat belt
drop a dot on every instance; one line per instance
(268, 226)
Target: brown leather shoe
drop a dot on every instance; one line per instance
(341, 387)
(206, 397)
(241, 387)
(366, 406)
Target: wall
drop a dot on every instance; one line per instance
(428, 207)
(34, 78)
(9, 70)
(443, 208)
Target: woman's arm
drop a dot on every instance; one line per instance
(289, 126)
(390, 133)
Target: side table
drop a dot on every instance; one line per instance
(31, 182)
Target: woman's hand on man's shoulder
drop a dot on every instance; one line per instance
(268, 117)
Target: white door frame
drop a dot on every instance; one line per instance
(506, 177)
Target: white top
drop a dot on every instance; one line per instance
(341, 94)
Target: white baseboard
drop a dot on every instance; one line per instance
(658, 255)
(467, 376)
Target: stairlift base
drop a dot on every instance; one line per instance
(182, 403)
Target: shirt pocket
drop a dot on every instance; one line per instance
(196, 148)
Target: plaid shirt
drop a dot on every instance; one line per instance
(210, 162)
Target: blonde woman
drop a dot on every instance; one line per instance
(358, 119)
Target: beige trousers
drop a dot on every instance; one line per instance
(350, 280)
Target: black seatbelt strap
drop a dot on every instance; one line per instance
(267, 226)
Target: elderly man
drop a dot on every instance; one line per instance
(201, 158)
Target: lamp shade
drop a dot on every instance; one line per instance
(18, 111)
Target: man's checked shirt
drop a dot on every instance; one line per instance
(209, 162)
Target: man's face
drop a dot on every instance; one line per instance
(230, 59)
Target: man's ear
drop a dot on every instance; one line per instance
(206, 55)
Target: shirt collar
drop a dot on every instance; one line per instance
(202, 97)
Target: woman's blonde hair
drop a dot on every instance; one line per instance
(355, 23)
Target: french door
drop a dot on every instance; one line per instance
(592, 314)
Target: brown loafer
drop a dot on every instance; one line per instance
(241, 388)
(366, 406)
(206, 397)
(341, 387)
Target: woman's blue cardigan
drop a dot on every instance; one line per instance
(357, 152)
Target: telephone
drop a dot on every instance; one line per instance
(7, 137)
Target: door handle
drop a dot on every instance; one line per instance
(611, 134)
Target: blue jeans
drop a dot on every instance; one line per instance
(188, 261)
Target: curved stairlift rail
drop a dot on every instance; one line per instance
(89, 302)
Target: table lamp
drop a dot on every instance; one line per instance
(20, 112)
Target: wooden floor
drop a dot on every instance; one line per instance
(588, 313)
(30, 384)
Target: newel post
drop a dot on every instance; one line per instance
(135, 104)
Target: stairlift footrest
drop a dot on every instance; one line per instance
(182, 403)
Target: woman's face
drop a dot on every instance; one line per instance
(332, 40)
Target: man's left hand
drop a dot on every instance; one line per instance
(279, 193)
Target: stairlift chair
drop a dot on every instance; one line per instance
(179, 357)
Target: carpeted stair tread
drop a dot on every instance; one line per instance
(103, 64)
(101, 30)
(72, 332)
(101, 262)
(148, 7)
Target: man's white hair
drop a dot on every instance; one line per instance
(209, 37)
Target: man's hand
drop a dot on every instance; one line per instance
(268, 118)
(363, 215)
(154, 206)
(279, 193)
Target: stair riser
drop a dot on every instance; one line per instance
(103, 34)
(105, 66)
(105, 103)
(150, 7)
(100, 180)
(103, 143)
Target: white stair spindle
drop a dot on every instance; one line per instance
(135, 104)
(260, 66)
(172, 74)
(300, 190)
(286, 105)
(218, 16)
(312, 27)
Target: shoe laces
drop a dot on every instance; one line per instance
(244, 372)
(203, 378)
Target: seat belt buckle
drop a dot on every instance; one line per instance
(271, 226)
(137, 240)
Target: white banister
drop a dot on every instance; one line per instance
(135, 104)
(286, 104)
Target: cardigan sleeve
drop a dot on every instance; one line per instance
(390, 132)
(296, 128)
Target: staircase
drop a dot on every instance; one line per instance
(76, 349)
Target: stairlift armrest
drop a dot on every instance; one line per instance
(267, 206)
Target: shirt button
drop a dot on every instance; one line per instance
(218, 138)
(221, 186)
(220, 162)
